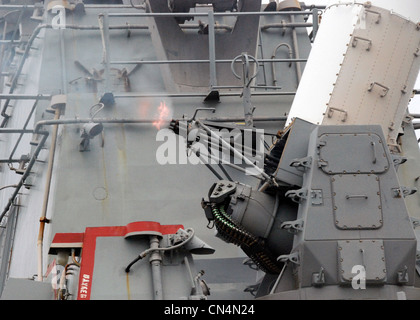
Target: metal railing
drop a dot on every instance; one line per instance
(212, 61)
(104, 28)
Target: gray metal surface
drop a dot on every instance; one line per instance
(25, 289)
(380, 95)
(127, 72)
(356, 201)
(358, 211)
(117, 179)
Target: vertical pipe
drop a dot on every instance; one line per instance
(2, 53)
(260, 45)
(296, 49)
(315, 25)
(212, 51)
(43, 219)
(8, 245)
(155, 262)
(63, 62)
(106, 50)
(107, 55)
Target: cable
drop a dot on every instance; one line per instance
(146, 252)
(92, 115)
(253, 246)
(127, 269)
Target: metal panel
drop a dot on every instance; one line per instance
(338, 152)
(366, 253)
(377, 73)
(295, 148)
(357, 201)
(320, 222)
(325, 59)
(369, 68)
(26, 289)
(167, 35)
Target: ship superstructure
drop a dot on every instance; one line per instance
(133, 132)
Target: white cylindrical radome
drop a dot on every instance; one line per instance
(363, 65)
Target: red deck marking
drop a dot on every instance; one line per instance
(89, 247)
(68, 238)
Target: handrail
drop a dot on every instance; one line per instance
(137, 14)
(31, 163)
(204, 14)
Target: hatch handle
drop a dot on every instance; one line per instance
(375, 12)
(355, 40)
(385, 88)
(331, 111)
(356, 196)
(374, 151)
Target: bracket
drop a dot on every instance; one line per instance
(318, 278)
(403, 191)
(24, 159)
(415, 222)
(354, 42)
(331, 111)
(302, 162)
(247, 78)
(385, 88)
(221, 190)
(297, 195)
(292, 257)
(293, 226)
(304, 193)
(402, 276)
(397, 160)
(375, 12)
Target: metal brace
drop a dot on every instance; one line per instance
(354, 42)
(252, 289)
(397, 160)
(375, 12)
(385, 88)
(403, 276)
(302, 162)
(318, 278)
(322, 163)
(403, 191)
(213, 110)
(395, 147)
(250, 263)
(247, 78)
(24, 159)
(293, 226)
(331, 111)
(316, 196)
(321, 144)
(415, 222)
(292, 257)
(297, 195)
